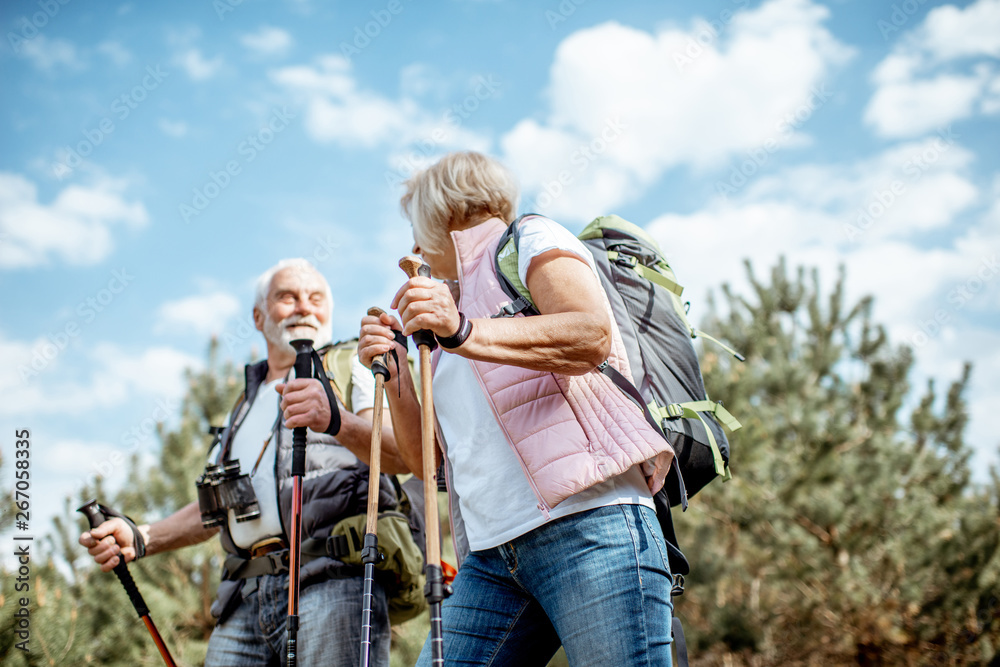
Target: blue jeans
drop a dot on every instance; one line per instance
(329, 626)
(597, 582)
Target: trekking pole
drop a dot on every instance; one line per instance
(370, 553)
(95, 515)
(435, 590)
(303, 369)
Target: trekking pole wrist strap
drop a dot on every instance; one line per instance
(138, 542)
(460, 336)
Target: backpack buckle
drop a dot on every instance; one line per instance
(677, 587)
(506, 310)
(337, 546)
(674, 410)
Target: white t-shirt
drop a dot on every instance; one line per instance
(496, 499)
(258, 426)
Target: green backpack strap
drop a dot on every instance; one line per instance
(337, 362)
(507, 273)
(693, 410)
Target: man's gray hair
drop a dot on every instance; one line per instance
(264, 281)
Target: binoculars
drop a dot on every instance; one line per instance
(222, 488)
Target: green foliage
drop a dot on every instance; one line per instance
(851, 532)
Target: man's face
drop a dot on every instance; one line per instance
(297, 307)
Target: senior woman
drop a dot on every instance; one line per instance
(557, 539)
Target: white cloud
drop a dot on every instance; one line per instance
(204, 314)
(173, 128)
(73, 456)
(196, 65)
(339, 110)
(951, 33)
(48, 54)
(115, 52)
(627, 104)
(912, 107)
(869, 216)
(942, 71)
(906, 190)
(76, 227)
(268, 41)
(115, 376)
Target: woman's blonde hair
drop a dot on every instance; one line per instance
(460, 191)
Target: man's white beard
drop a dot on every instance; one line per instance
(279, 333)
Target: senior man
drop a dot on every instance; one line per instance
(293, 301)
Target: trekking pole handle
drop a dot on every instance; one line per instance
(414, 266)
(379, 367)
(303, 369)
(96, 517)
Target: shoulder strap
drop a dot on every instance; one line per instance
(337, 362)
(507, 274)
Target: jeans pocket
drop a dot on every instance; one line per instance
(651, 527)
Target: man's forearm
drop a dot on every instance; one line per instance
(181, 529)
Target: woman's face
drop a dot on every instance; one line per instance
(444, 265)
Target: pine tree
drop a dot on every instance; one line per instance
(851, 533)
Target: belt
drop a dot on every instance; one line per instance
(275, 562)
(267, 546)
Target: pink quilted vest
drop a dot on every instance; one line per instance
(569, 432)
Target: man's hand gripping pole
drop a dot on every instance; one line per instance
(95, 515)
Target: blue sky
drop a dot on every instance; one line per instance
(157, 157)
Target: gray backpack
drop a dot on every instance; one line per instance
(668, 386)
